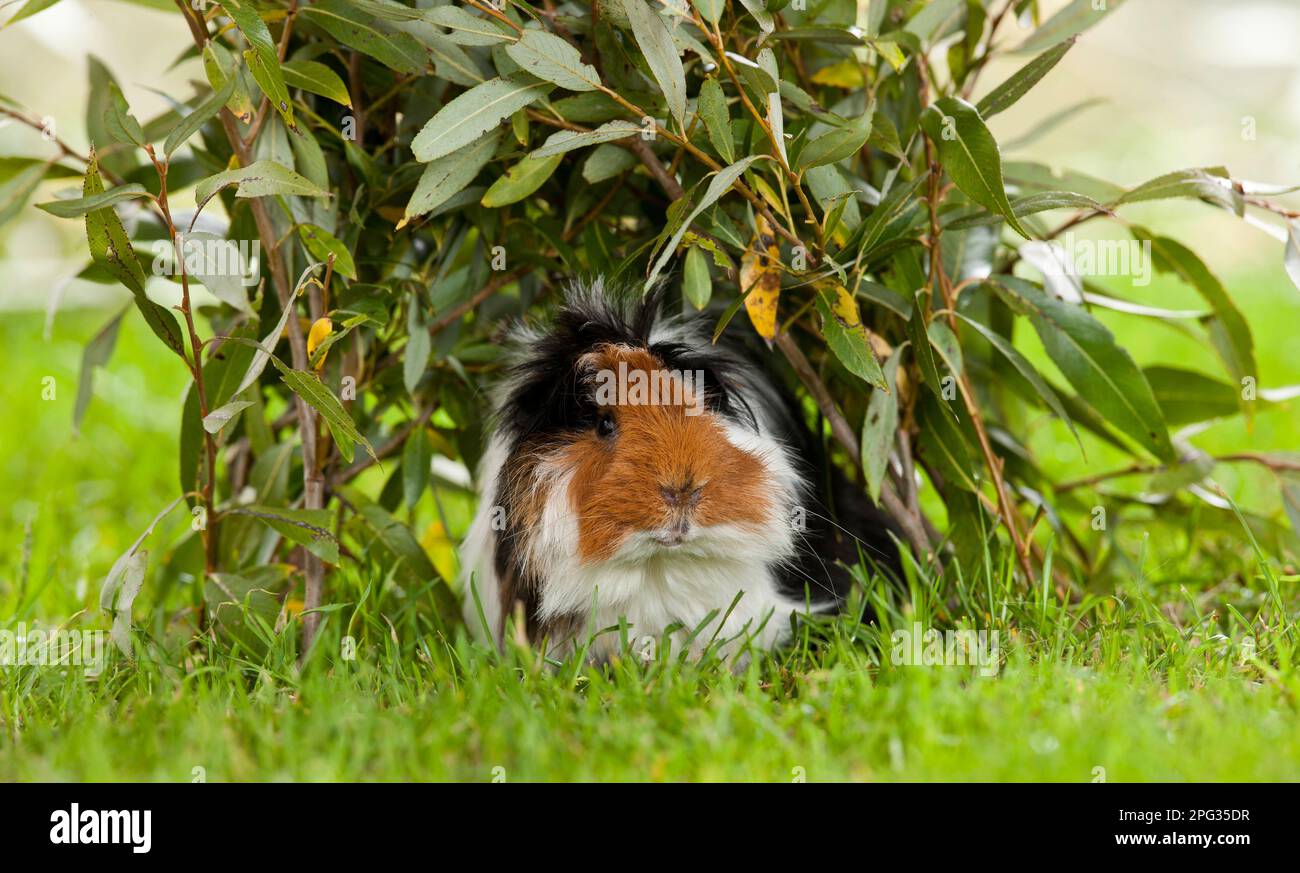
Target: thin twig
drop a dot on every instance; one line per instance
(912, 525)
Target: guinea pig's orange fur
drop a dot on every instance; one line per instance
(616, 487)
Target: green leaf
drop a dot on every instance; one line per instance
(466, 118)
(1006, 94)
(446, 176)
(466, 29)
(970, 155)
(1099, 369)
(126, 578)
(712, 107)
(316, 78)
(320, 243)
(837, 143)
(220, 68)
(656, 43)
(775, 113)
(30, 8)
(244, 607)
(96, 354)
(944, 444)
(204, 112)
(306, 527)
(261, 179)
(262, 58)
(99, 108)
(111, 247)
(567, 140)
(758, 9)
(710, 10)
(218, 418)
(879, 428)
(891, 205)
(606, 162)
(451, 62)
(1030, 204)
(122, 125)
(415, 357)
(1186, 397)
(821, 35)
(884, 136)
(416, 454)
(1073, 19)
(1229, 332)
(257, 364)
(918, 334)
(849, 344)
(16, 189)
(397, 51)
(1026, 369)
(549, 57)
(341, 426)
(1209, 183)
(718, 185)
(520, 180)
(394, 538)
(77, 207)
(944, 341)
(697, 284)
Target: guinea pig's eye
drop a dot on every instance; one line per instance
(605, 425)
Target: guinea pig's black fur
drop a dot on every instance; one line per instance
(571, 521)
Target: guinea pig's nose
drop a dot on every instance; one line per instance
(685, 495)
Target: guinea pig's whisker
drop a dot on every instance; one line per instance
(818, 583)
(860, 541)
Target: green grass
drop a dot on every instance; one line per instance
(1178, 663)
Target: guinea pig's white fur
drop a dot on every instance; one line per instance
(733, 573)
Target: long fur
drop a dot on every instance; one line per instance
(769, 551)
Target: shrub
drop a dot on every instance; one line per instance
(414, 177)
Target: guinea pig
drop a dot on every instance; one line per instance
(638, 473)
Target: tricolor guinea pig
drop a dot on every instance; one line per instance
(639, 473)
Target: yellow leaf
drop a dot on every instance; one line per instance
(846, 311)
(845, 74)
(760, 280)
(441, 549)
(845, 307)
(319, 331)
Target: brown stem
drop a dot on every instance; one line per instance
(778, 148)
(1276, 465)
(910, 522)
(312, 493)
(65, 151)
(939, 281)
(456, 312)
(495, 14)
(209, 529)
